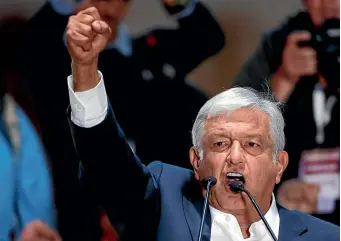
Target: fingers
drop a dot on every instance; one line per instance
(103, 35)
(296, 37)
(38, 230)
(102, 28)
(79, 40)
(311, 193)
(298, 195)
(80, 32)
(92, 11)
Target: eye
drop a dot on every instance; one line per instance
(253, 148)
(252, 144)
(219, 143)
(219, 146)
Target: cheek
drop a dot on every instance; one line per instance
(212, 164)
(261, 172)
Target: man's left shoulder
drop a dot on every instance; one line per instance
(318, 229)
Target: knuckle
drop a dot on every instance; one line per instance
(69, 32)
(92, 10)
(89, 18)
(87, 28)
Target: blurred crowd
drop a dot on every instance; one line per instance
(155, 103)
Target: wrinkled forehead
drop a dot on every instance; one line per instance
(244, 121)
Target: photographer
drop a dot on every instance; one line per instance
(300, 62)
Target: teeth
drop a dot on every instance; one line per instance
(234, 174)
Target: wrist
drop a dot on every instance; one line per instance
(85, 76)
(285, 76)
(282, 86)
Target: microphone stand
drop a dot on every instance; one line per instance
(238, 186)
(210, 182)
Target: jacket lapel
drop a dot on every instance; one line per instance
(193, 203)
(291, 226)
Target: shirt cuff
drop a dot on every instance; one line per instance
(187, 11)
(88, 108)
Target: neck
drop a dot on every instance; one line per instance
(248, 214)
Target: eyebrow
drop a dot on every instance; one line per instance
(246, 135)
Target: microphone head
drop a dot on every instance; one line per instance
(236, 186)
(210, 179)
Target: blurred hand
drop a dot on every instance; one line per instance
(296, 62)
(297, 195)
(38, 231)
(87, 35)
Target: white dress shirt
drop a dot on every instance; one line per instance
(225, 226)
(89, 109)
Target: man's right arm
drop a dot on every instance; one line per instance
(115, 174)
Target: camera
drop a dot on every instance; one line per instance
(326, 41)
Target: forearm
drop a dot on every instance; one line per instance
(110, 165)
(101, 146)
(281, 86)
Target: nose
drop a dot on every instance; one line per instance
(236, 154)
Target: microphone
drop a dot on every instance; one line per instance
(208, 182)
(238, 186)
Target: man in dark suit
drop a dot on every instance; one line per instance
(237, 135)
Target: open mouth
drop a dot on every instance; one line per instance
(235, 176)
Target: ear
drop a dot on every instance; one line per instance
(282, 163)
(195, 161)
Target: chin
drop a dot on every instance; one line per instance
(230, 201)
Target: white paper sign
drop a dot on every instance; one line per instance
(322, 167)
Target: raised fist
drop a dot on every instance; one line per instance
(87, 35)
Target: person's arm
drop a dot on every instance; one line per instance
(117, 175)
(34, 183)
(198, 37)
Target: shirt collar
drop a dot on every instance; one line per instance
(257, 229)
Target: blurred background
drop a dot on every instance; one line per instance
(243, 22)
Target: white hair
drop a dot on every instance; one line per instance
(234, 99)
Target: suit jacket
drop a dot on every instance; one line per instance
(161, 201)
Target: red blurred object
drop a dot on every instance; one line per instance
(151, 40)
(109, 233)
